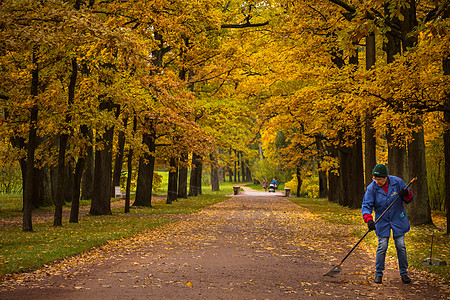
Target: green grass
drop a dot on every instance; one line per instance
(21, 251)
(418, 240)
(10, 205)
(181, 206)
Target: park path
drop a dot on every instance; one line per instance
(256, 245)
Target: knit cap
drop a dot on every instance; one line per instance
(380, 170)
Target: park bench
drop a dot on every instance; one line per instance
(118, 193)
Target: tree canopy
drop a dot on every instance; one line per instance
(198, 76)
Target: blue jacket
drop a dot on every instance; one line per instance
(395, 218)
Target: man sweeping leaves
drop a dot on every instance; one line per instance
(379, 194)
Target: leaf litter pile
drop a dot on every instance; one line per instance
(248, 247)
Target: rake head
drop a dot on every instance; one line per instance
(335, 270)
(433, 262)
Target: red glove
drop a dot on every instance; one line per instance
(367, 217)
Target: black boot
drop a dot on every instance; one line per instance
(406, 279)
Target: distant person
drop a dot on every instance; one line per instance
(265, 184)
(273, 186)
(383, 190)
(275, 182)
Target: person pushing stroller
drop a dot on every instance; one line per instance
(273, 185)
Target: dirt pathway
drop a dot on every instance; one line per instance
(254, 246)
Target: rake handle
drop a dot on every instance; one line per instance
(385, 211)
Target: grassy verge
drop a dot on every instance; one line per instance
(20, 251)
(418, 240)
(181, 206)
(10, 205)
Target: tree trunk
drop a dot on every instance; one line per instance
(235, 166)
(396, 153)
(333, 177)
(198, 175)
(144, 186)
(118, 162)
(323, 189)
(357, 179)
(370, 155)
(397, 158)
(75, 205)
(29, 177)
(344, 175)
(54, 181)
(223, 174)
(221, 169)
(351, 174)
(333, 187)
(214, 173)
(87, 181)
(101, 197)
(31, 148)
(38, 188)
(183, 177)
(47, 187)
(146, 169)
(173, 178)
(370, 51)
(239, 161)
(351, 170)
(299, 181)
(447, 147)
(393, 45)
(261, 154)
(69, 182)
(446, 68)
(419, 211)
(60, 189)
(408, 25)
(192, 189)
(130, 171)
(128, 188)
(79, 168)
(195, 188)
(230, 171)
(249, 171)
